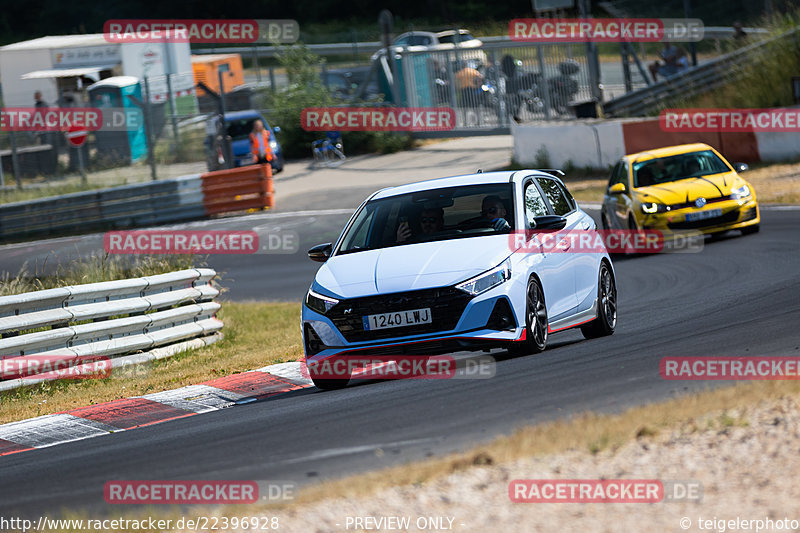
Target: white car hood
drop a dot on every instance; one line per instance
(413, 266)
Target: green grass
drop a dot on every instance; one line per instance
(255, 334)
(762, 81)
(97, 267)
(34, 193)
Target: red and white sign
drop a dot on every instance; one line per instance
(76, 135)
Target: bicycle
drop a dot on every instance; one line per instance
(329, 151)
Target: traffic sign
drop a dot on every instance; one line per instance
(76, 135)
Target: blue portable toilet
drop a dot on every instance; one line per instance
(419, 93)
(126, 143)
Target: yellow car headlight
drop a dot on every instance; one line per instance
(653, 207)
(741, 192)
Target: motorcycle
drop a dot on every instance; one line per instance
(527, 88)
(483, 96)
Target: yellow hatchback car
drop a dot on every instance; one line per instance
(686, 187)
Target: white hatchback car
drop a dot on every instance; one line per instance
(438, 266)
(469, 47)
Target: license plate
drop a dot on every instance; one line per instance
(702, 215)
(397, 319)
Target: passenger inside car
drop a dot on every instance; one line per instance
(494, 210)
(692, 167)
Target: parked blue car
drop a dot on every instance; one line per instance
(239, 125)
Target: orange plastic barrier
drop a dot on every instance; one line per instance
(238, 189)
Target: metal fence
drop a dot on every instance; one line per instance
(490, 85)
(121, 322)
(697, 81)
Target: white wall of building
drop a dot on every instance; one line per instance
(18, 92)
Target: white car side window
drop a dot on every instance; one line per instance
(534, 204)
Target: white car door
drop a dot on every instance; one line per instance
(558, 280)
(585, 263)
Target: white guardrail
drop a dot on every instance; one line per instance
(129, 321)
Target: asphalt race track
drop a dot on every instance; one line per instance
(739, 296)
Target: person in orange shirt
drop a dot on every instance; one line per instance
(259, 143)
(468, 78)
(468, 82)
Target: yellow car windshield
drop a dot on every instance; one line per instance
(677, 167)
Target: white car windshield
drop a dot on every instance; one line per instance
(463, 36)
(432, 215)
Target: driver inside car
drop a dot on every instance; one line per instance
(494, 210)
(430, 221)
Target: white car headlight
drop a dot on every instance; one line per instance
(273, 144)
(320, 303)
(487, 280)
(740, 192)
(653, 207)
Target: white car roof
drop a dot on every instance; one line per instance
(455, 181)
(446, 33)
(428, 33)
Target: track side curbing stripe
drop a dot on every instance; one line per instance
(131, 413)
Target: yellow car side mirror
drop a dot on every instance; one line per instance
(617, 188)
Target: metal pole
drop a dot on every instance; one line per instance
(687, 10)
(626, 67)
(639, 65)
(149, 130)
(545, 83)
(272, 78)
(386, 22)
(500, 87)
(14, 159)
(173, 112)
(451, 85)
(592, 60)
(226, 142)
(255, 63)
(81, 167)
